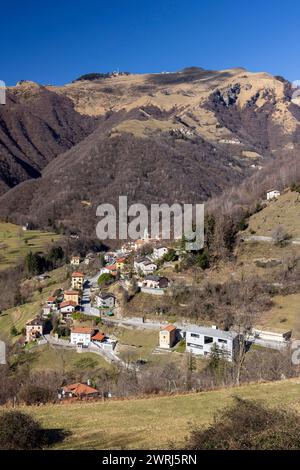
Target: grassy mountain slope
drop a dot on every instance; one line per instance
(184, 136)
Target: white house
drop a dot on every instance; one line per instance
(105, 300)
(103, 341)
(46, 311)
(68, 306)
(51, 303)
(200, 341)
(145, 265)
(75, 260)
(272, 194)
(81, 336)
(159, 252)
(154, 282)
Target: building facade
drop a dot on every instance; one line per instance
(81, 336)
(167, 337)
(203, 340)
(77, 280)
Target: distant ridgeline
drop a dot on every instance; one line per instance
(99, 76)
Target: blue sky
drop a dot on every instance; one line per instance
(56, 41)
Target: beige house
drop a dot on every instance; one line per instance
(72, 295)
(34, 329)
(75, 260)
(77, 280)
(167, 337)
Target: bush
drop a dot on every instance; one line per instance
(280, 236)
(203, 260)
(243, 224)
(248, 425)
(295, 187)
(18, 431)
(14, 331)
(170, 256)
(105, 279)
(32, 394)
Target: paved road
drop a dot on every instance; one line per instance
(86, 296)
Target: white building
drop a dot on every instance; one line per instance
(159, 252)
(75, 260)
(105, 300)
(200, 341)
(81, 336)
(154, 282)
(272, 194)
(68, 306)
(277, 336)
(144, 265)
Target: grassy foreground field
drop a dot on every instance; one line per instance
(154, 422)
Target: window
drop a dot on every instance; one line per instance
(194, 335)
(208, 339)
(192, 345)
(222, 341)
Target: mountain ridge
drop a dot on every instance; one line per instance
(185, 136)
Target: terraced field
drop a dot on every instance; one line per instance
(16, 242)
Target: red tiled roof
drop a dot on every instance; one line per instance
(51, 299)
(111, 267)
(98, 336)
(71, 292)
(121, 260)
(169, 328)
(77, 274)
(82, 329)
(68, 302)
(79, 389)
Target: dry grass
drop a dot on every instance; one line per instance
(284, 211)
(15, 243)
(284, 316)
(154, 422)
(62, 360)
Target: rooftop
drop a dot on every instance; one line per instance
(106, 296)
(79, 389)
(152, 277)
(82, 329)
(66, 303)
(98, 336)
(214, 332)
(169, 328)
(77, 274)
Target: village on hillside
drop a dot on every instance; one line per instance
(82, 316)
